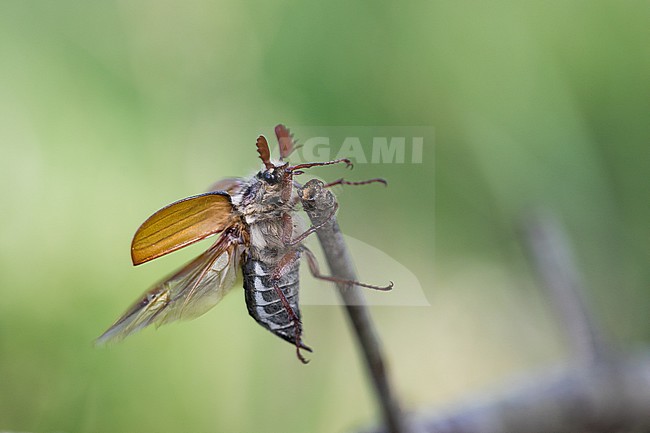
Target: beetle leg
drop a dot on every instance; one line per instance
(301, 167)
(301, 237)
(363, 182)
(285, 262)
(287, 228)
(315, 271)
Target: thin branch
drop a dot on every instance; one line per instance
(552, 258)
(318, 203)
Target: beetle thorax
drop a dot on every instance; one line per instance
(263, 208)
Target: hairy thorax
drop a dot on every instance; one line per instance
(265, 212)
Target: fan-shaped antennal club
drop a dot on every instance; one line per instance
(285, 140)
(263, 150)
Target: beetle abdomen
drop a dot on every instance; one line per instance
(264, 303)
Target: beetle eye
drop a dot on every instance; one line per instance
(270, 177)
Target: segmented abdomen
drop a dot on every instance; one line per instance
(264, 303)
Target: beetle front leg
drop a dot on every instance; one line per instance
(301, 237)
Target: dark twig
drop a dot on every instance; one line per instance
(551, 256)
(318, 203)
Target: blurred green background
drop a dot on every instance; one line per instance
(110, 110)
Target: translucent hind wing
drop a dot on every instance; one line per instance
(187, 294)
(232, 185)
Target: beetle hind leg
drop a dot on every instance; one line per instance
(297, 325)
(284, 264)
(315, 271)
